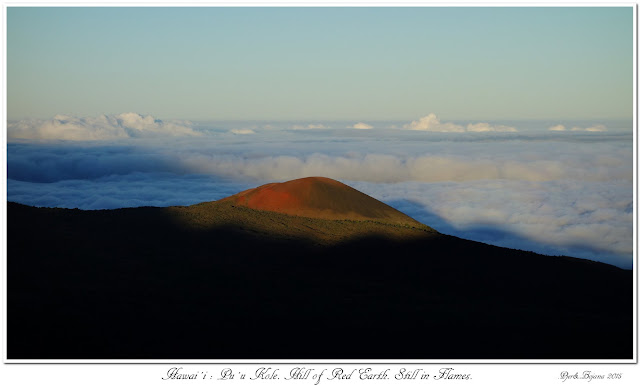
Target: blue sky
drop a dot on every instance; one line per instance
(321, 63)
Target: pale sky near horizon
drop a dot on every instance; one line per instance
(321, 63)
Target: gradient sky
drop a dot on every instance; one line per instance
(321, 63)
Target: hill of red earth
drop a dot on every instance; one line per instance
(319, 197)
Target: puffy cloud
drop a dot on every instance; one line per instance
(361, 126)
(103, 127)
(242, 131)
(310, 126)
(595, 128)
(432, 123)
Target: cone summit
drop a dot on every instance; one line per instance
(319, 197)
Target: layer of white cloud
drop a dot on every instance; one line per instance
(432, 123)
(484, 127)
(594, 128)
(310, 126)
(593, 222)
(129, 190)
(103, 127)
(242, 131)
(361, 126)
(556, 194)
(558, 128)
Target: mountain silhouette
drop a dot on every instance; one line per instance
(305, 269)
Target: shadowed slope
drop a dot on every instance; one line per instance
(281, 226)
(319, 197)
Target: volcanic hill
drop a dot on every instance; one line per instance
(314, 209)
(319, 197)
(305, 269)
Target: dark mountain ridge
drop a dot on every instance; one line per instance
(222, 280)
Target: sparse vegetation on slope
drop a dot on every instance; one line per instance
(225, 214)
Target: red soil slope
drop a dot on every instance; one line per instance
(319, 197)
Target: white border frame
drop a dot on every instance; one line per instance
(3, 240)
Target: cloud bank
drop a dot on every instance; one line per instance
(103, 127)
(361, 126)
(557, 128)
(127, 190)
(594, 128)
(594, 223)
(432, 123)
(242, 131)
(385, 168)
(554, 193)
(310, 126)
